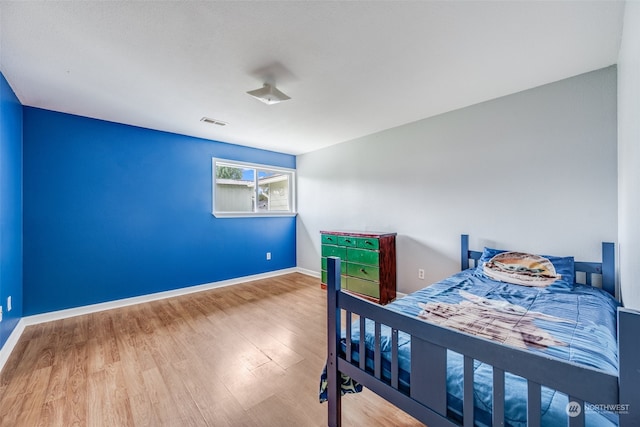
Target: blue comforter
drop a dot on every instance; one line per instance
(574, 323)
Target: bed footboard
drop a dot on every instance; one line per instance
(629, 366)
(426, 398)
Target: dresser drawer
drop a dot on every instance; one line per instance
(330, 250)
(347, 241)
(343, 266)
(366, 243)
(364, 272)
(343, 279)
(363, 256)
(364, 287)
(329, 239)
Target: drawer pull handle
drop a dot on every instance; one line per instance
(368, 242)
(362, 270)
(347, 240)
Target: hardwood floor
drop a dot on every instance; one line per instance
(243, 355)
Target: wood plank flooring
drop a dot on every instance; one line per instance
(243, 355)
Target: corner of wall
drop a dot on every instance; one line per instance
(11, 218)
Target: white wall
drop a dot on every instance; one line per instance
(629, 156)
(533, 171)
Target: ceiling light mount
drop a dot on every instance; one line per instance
(268, 94)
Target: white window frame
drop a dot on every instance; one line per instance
(255, 213)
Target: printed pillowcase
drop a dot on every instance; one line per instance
(526, 269)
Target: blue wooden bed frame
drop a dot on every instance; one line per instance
(427, 399)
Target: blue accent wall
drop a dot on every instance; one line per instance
(114, 211)
(10, 208)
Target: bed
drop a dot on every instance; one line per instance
(556, 353)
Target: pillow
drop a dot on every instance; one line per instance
(563, 266)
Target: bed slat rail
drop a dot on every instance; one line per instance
(430, 375)
(394, 359)
(577, 417)
(377, 356)
(467, 393)
(605, 269)
(534, 403)
(349, 347)
(589, 270)
(498, 397)
(431, 342)
(361, 344)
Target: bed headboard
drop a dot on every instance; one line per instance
(606, 268)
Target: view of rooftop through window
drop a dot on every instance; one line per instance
(243, 189)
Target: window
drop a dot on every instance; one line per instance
(246, 189)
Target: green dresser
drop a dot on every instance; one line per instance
(368, 262)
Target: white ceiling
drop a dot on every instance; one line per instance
(352, 68)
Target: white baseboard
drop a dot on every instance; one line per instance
(93, 308)
(11, 342)
(317, 274)
(308, 272)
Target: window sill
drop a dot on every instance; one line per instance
(253, 214)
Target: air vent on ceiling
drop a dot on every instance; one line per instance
(213, 121)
